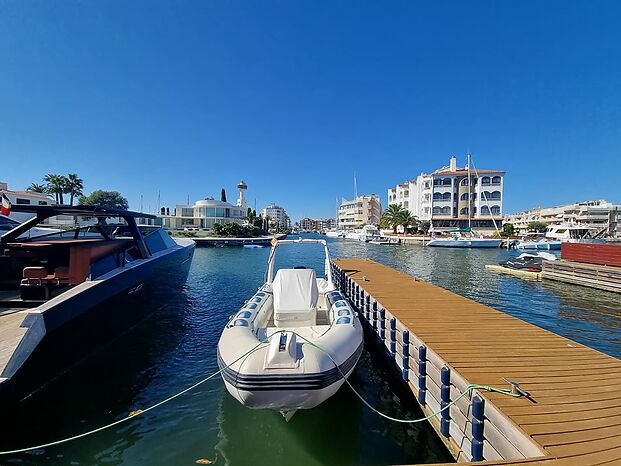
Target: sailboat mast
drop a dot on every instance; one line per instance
(469, 194)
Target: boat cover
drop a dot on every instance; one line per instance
(295, 294)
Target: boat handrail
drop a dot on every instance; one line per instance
(269, 273)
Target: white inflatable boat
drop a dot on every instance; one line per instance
(311, 338)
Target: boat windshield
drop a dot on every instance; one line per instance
(309, 254)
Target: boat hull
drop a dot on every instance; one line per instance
(65, 330)
(465, 243)
(288, 392)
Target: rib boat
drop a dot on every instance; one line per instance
(63, 292)
(293, 343)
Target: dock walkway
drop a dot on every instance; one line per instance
(442, 342)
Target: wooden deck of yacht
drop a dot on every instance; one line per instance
(573, 414)
(11, 334)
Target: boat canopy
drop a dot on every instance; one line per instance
(99, 212)
(460, 230)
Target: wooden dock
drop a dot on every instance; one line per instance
(602, 277)
(441, 342)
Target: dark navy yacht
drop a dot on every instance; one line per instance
(63, 293)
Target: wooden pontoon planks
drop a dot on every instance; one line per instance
(575, 414)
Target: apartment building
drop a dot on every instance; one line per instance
(363, 210)
(599, 214)
(454, 197)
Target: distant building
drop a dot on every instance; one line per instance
(276, 214)
(317, 224)
(364, 210)
(447, 197)
(24, 198)
(601, 214)
(206, 212)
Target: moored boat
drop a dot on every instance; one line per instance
(457, 240)
(62, 294)
(293, 343)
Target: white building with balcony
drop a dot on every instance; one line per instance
(454, 197)
(24, 198)
(276, 214)
(598, 214)
(206, 212)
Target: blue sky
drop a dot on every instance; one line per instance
(294, 96)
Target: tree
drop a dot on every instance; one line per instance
(406, 219)
(216, 228)
(111, 199)
(537, 226)
(508, 229)
(57, 185)
(250, 216)
(424, 226)
(396, 215)
(74, 187)
(223, 195)
(37, 188)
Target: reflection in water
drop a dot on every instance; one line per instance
(177, 346)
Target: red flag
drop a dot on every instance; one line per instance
(5, 209)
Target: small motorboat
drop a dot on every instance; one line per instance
(381, 240)
(293, 343)
(457, 240)
(537, 242)
(526, 261)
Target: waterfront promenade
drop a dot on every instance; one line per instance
(441, 342)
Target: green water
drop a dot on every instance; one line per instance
(176, 346)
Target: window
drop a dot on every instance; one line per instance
(446, 181)
(405, 204)
(485, 180)
(464, 182)
(42, 202)
(446, 196)
(485, 210)
(486, 195)
(187, 212)
(496, 180)
(437, 210)
(464, 197)
(19, 200)
(495, 210)
(437, 182)
(495, 195)
(464, 211)
(437, 196)
(446, 210)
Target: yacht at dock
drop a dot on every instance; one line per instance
(63, 292)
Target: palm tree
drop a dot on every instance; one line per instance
(406, 219)
(74, 187)
(392, 216)
(37, 188)
(56, 184)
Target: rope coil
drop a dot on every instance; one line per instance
(260, 345)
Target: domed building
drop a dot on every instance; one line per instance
(206, 212)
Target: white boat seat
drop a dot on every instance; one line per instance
(295, 297)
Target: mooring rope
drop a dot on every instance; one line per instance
(260, 345)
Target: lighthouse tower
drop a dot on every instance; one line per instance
(241, 202)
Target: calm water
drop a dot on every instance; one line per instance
(177, 346)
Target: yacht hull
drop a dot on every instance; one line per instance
(66, 328)
(464, 243)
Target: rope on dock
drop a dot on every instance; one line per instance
(260, 345)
